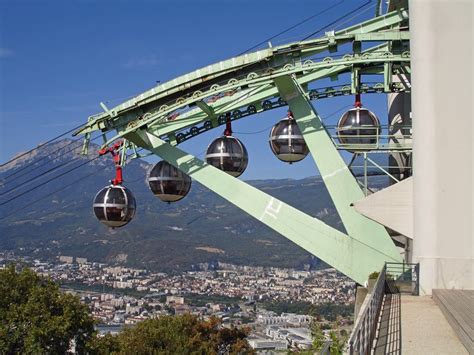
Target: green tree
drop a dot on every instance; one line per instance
(336, 346)
(318, 336)
(185, 334)
(106, 344)
(37, 318)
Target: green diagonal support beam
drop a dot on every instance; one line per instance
(341, 184)
(348, 255)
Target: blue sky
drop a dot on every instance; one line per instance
(59, 59)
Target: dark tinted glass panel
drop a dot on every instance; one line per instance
(130, 213)
(169, 180)
(365, 118)
(367, 136)
(299, 146)
(99, 213)
(116, 195)
(115, 213)
(170, 187)
(155, 171)
(358, 126)
(295, 130)
(155, 187)
(214, 161)
(280, 146)
(130, 198)
(350, 119)
(233, 146)
(224, 146)
(101, 195)
(216, 147)
(281, 128)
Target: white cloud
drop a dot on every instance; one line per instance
(5, 52)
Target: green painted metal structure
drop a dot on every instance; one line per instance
(161, 118)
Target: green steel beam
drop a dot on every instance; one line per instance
(314, 71)
(310, 72)
(274, 58)
(383, 36)
(348, 255)
(209, 111)
(266, 91)
(340, 182)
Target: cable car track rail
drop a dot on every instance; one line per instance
(277, 102)
(264, 82)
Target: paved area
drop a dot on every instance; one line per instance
(425, 330)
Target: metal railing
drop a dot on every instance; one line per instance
(406, 277)
(395, 278)
(364, 332)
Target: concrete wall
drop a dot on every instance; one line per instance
(442, 99)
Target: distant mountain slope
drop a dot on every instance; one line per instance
(201, 228)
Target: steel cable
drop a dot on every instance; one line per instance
(56, 191)
(292, 27)
(29, 181)
(43, 158)
(336, 21)
(40, 146)
(46, 196)
(49, 180)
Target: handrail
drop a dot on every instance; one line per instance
(364, 332)
(406, 276)
(390, 280)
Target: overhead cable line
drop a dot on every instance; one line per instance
(43, 158)
(294, 26)
(29, 181)
(49, 180)
(337, 20)
(355, 16)
(33, 166)
(46, 196)
(40, 145)
(60, 189)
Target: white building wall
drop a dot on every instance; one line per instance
(442, 98)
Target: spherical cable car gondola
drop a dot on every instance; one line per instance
(287, 142)
(114, 205)
(168, 183)
(227, 153)
(358, 128)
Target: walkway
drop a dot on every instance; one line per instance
(425, 330)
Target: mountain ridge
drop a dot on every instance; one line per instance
(201, 228)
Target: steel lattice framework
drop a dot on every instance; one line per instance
(161, 118)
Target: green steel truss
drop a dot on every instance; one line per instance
(161, 118)
(340, 182)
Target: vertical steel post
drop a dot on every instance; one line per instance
(365, 174)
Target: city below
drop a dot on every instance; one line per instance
(279, 305)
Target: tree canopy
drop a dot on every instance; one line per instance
(36, 317)
(185, 334)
